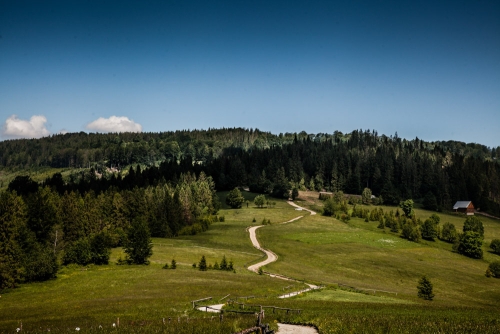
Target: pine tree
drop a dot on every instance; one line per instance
(203, 264)
(223, 263)
(139, 246)
(12, 216)
(424, 288)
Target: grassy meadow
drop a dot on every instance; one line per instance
(316, 249)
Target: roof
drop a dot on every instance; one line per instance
(461, 205)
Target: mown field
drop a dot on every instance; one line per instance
(314, 248)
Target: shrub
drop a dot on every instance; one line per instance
(329, 207)
(495, 246)
(259, 200)
(470, 245)
(100, 248)
(234, 199)
(474, 224)
(494, 269)
(429, 229)
(345, 217)
(411, 232)
(78, 252)
(449, 233)
(173, 264)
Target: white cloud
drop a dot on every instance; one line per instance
(114, 124)
(20, 128)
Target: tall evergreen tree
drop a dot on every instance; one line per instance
(139, 246)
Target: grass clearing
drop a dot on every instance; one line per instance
(315, 248)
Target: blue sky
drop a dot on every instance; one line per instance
(422, 68)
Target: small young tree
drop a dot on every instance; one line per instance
(259, 200)
(203, 264)
(366, 196)
(470, 245)
(329, 207)
(234, 199)
(449, 233)
(429, 229)
(223, 263)
(407, 207)
(173, 264)
(474, 224)
(295, 193)
(424, 288)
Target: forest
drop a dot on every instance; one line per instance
(168, 181)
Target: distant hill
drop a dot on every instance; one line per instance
(438, 173)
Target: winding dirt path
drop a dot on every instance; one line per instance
(299, 207)
(272, 257)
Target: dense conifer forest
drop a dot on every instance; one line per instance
(169, 182)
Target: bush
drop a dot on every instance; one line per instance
(329, 207)
(474, 224)
(40, 264)
(449, 233)
(234, 199)
(429, 230)
(411, 232)
(494, 269)
(470, 245)
(100, 248)
(495, 246)
(78, 252)
(259, 200)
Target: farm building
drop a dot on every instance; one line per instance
(464, 206)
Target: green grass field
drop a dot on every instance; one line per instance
(314, 248)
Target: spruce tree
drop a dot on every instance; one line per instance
(203, 264)
(139, 246)
(424, 288)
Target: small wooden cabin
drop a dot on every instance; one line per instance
(465, 207)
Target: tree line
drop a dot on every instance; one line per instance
(40, 227)
(438, 174)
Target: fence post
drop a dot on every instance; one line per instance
(221, 317)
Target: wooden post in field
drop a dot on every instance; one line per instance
(221, 317)
(118, 322)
